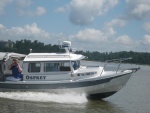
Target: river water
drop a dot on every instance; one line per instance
(132, 98)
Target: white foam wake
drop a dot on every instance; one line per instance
(45, 97)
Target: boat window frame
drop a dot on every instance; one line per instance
(38, 67)
(62, 67)
(52, 68)
(76, 64)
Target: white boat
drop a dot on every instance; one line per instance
(61, 73)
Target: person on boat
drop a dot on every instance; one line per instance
(75, 66)
(16, 69)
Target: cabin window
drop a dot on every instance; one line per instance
(65, 66)
(51, 67)
(56, 66)
(34, 67)
(75, 64)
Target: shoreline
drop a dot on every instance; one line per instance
(121, 63)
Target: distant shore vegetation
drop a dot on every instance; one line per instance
(24, 47)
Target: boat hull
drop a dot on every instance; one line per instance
(100, 87)
(100, 95)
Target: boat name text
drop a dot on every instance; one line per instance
(36, 77)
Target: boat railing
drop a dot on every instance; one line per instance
(119, 61)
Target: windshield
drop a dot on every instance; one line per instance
(75, 64)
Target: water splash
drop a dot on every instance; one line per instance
(45, 97)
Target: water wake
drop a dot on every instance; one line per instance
(45, 97)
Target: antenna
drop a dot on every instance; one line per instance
(74, 50)
(59, 41)
(31, 50)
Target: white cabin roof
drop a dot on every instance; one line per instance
(4, 56)
(53, 57)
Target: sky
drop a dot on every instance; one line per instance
(91, 25)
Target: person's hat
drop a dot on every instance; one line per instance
(16, 60)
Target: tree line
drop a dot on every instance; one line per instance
(137, 57)
(24, 46)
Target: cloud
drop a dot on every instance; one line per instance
(93, 39)
(30, 32)
(146, 40)
(89, 39)
(146, 26)
(116, 23)
(83, 12)
(124, 40)
(126, 43)
(105, 41)
(39, 11)
(94, 35)
(1, 26)
(23, 7)
(3, 4)
(90, 35)
(23, 3)
(61, 10)
(138, 9)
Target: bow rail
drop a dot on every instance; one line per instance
(119, 61)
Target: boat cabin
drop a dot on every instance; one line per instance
(50, 66)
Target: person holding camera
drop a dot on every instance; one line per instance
(16, 69)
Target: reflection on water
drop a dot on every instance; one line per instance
(102, 106)
(55, 105)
